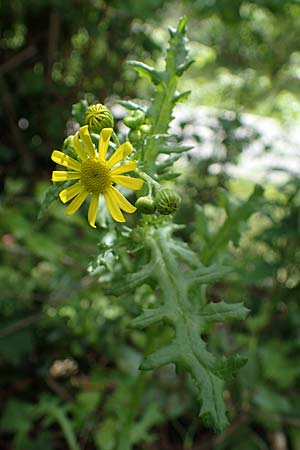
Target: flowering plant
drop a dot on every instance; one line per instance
(176, 274)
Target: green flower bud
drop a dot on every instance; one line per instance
(134, 119)
(134, 135)
(167, 201)
(98, 117)
(67, 147)
(145, 129)
(67, 142)
(146, 204)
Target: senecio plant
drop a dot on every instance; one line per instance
(97, 167)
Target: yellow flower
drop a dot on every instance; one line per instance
(96, 176)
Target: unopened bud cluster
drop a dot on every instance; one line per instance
(136, 122)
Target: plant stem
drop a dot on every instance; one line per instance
(115, 139)
(65, 424)
(149, 180)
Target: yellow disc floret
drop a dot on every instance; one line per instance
(95, 176)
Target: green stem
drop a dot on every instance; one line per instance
(115, 139)
(65, 425)
(203, 294)
(165, 112)
(163, 103)
(149, 180)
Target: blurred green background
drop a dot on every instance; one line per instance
(68, 358)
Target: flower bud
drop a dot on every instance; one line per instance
(146, 204)
(67, 143)
(167, 201)
(145, 129)
(134, 119)
(98, 117)
(134, 135)
(67, 147)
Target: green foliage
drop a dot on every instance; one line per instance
(237, 215)
(123, 356)
(159, 113)
(247, 55)
(184, 310)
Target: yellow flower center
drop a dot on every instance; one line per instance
(95, 176)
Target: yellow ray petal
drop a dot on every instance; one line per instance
(104, 142)
(128, 182)
(121, 201)
(67, 194)
(78, 147)
(126, 167)
(93, 208)
(62, 175)
(77, 202)
(121, 153)
(87, 141)
(113, 208)
(65, 160)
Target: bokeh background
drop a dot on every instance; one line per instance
(68, 358)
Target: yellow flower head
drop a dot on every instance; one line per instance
(96, 176)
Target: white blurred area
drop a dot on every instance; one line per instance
(271, 157)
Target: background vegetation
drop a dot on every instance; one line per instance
(68, 358)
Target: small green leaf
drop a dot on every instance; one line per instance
(132, 280)
(132, 106)
(180, 98)
(174, 148)
(167, 163)
(219, 312)
(209, 274)
(183, 67)
(148, 317)
(161, 357)
(227, 367)
(146, 71)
